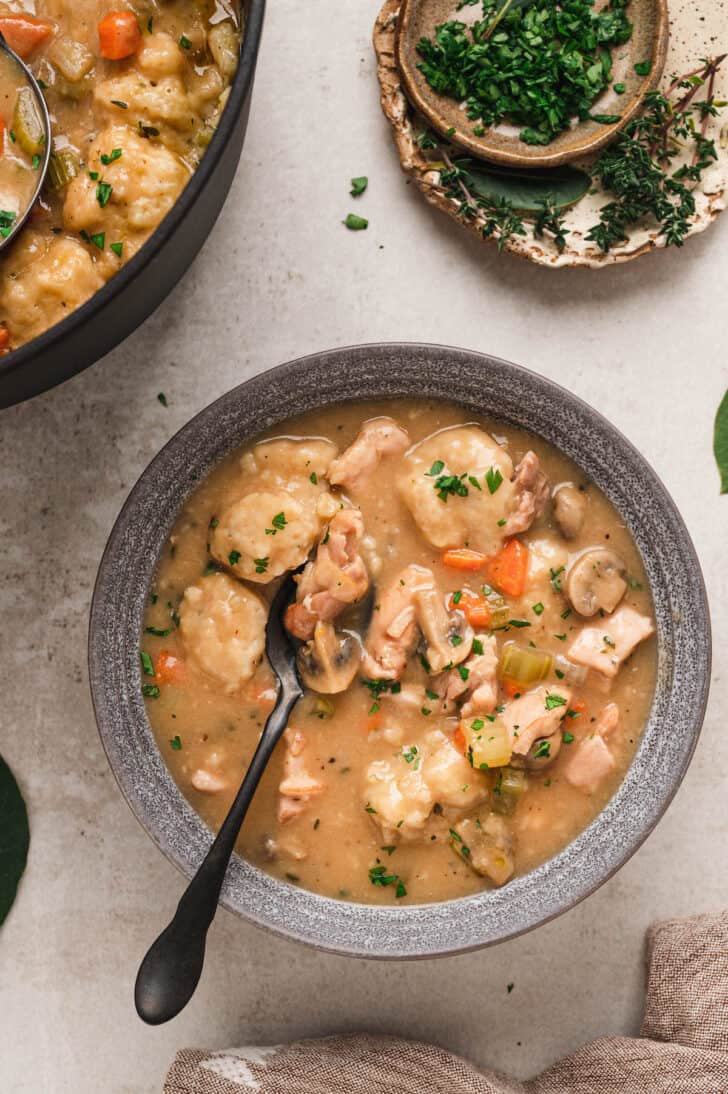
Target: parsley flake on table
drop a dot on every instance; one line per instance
(358, 185)
(355, 223)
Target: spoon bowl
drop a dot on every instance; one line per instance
(502, 144)
(9, 230)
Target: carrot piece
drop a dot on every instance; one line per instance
(578, 706)
(476, 609)
(372, 722)
(511, 687)
(23, 33)
(508, 570)
(462, 558)
(4, 339)
(170, 669)
(119, 35)
(459, 741)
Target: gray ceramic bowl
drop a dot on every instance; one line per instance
(482, 385)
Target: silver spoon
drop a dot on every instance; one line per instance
(10, 228)
(169, 973)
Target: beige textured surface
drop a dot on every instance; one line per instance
(280, 277)
(696, 31)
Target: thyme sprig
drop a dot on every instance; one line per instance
(638, 167)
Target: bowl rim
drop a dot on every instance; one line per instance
(522, 155)
(240, 87)
(423, 930)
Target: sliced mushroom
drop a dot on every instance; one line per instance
(595, 581)
(569, 510)
(448, 635)
(329, 661)
(541, 754)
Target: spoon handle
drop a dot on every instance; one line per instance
(169, 973)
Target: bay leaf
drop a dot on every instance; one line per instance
(526, 190)
(720, 443)
(14, 838)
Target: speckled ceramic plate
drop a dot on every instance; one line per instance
(502, 144)
(483, 385)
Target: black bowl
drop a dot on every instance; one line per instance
(140, 286)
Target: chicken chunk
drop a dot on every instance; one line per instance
(604, 648)
(43, 281)
(377, 438)
(410, 603)
(298, 785)
(592, 760)
(444, 484)
(532, 492)
(478, 691)
(222, 624)
(486, 846)
(392, 634)
(534, 715)
(139, 188)
(335, 579)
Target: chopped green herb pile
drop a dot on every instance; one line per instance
(533, 63)
(720, 443)
(637, 167)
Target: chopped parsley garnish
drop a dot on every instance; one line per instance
(457, 596)
(98, 240)
(456, 640)
(162, 398)
(185, 42)
(109, 157)
(358, 185)
(518, 623)
(533, 64)
(493, 479)
(104, 190)
(553, 701)
(538, 609)
(567, 738)
(643, 68)
(157, 632)
(431, 694)
(355, 223)
(120, 104)
(378, 876)
(556, 579)
(261, 564)
(35, 162)
(477, 646)
(150, 691)
(463, 672)
(543, 750)
(279, 522)
(435, 470)
(176, 743)
(117, 248)
(314, 478)
(608, 641)
(559, 674)
(147, 663)
(369, 808)
(234, 558)
(410, 754)
(379, 687)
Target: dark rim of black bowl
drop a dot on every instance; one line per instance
(239, 89)
(480, 384)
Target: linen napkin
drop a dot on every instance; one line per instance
(682, 1047)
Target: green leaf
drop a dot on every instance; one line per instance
(355, 223)
(527, 191)
(358, 185)
(506, 7)
(14, 838)
(720, 443)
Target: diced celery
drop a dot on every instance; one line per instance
(487, 744)
(524, 665)
(509, 787)
(62, 167)
(324, 708)
(500, 613)
(27, 125)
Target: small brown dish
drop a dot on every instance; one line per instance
(502, 144)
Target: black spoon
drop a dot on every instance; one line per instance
(169, 973)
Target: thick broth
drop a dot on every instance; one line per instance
(335, 843)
